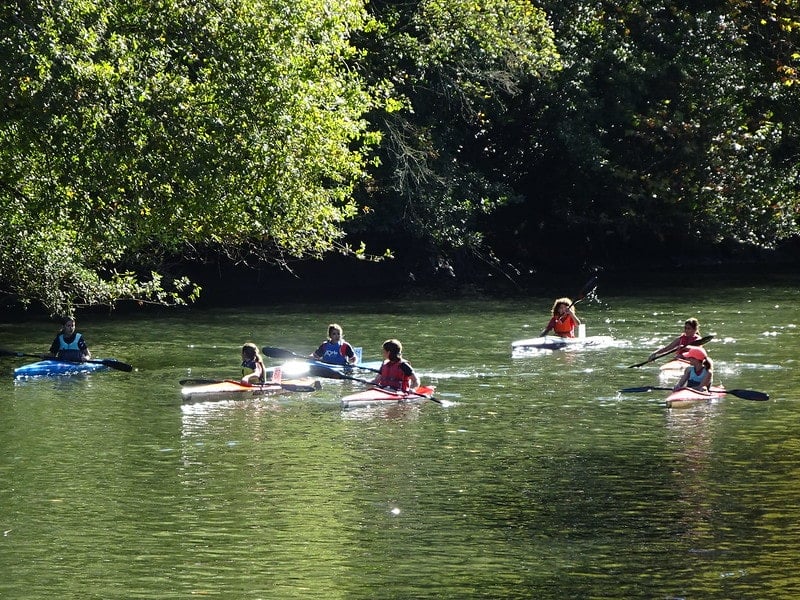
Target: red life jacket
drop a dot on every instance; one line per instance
(685, 340)
(392, 375)
(564, 326)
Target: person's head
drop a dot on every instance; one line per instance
(560, 305)
(696, 353)
(68, 324)
(250, 351)
(393, 349)
(691, 326)
(335, 330)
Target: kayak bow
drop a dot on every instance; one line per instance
(381, 396)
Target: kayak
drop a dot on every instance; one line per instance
(299, 368)
(50, 368)
(236, 390)
(673, 369)
(522, 348)
(379, 396)
(686, 397)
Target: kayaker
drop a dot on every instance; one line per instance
(699, 372)
(564, 320)
(253, 370)
(395, 372)
(335, 350)
(691, 333)
(69, 345)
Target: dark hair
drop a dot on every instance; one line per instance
(394, 348)
(250, 350)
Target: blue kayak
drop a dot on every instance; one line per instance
(45, 368)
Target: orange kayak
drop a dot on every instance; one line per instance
(231, 389)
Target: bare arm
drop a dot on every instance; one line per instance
(671, 346)
(413, 382)
(683, 380)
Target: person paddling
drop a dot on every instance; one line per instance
(69, 345)
(395, 372)
(564, 320)
(691, 333)
(699, 373)
(335, 350)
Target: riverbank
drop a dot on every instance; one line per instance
(340, 279)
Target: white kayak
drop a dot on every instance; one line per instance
(673, 369)
(521, 348)
(686, 397)
(299, 368)
(381, 396)
(231, 389)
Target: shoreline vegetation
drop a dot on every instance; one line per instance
(312, 281)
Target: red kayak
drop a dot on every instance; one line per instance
(377, 396)
(686, 397)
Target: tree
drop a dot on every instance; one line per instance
(130, 134)
(454, 65)
(669, 122)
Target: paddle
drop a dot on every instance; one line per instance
(281, 353)
(289, 387)
(109, 362)
(744, 394)
(699, 342)
(585, 290)
(323, 371)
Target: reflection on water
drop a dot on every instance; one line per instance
(537, 479)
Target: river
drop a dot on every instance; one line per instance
(536, 479)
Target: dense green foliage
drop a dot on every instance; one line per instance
(136, 133)
(134, 130)
(667, 125)
(670, 122)
(454, 64)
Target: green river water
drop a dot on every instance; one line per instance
(537, 479)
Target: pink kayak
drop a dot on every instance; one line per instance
(686, 397)
(377, 396)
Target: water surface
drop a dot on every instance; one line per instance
(538, 479)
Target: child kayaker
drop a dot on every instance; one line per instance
(335, 350)
(253, 370)
(564, 319)
(395, 372)
(699, 372)
(69, 345)
(691, 333)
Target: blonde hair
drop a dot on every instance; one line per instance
(250, 350)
